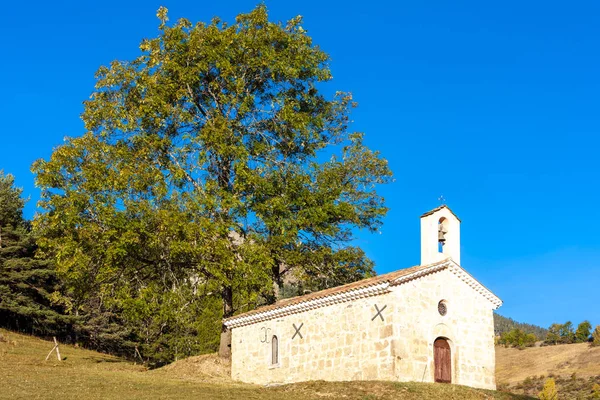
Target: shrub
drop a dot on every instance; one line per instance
(582, 334)
(596, 391)
(517, 338)
(549, 391)
(596, 336)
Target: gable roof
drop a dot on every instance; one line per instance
(364, 288)
(438, 209)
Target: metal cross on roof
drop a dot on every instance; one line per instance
(442, 200)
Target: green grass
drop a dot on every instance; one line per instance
(86, 374)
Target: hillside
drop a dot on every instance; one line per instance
(575, 367)
(25, 375)
(504, 324)
(514, 365)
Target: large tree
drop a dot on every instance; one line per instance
(215, 156)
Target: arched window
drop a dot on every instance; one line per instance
(274, 350)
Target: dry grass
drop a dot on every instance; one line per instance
(569, 388)
(86, 374)
(206, 368)
(514, 365)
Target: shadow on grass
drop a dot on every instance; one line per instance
(99, 360)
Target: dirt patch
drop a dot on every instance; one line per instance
(205, 368)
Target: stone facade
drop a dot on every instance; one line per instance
(349, 341)
(382, 330)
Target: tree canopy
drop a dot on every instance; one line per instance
(213, 163)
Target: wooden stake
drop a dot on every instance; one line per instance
(54, 348)
(57, 350)
(138, 354)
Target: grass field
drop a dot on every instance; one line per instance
(85, 374)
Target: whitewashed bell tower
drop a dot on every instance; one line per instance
(440, 236)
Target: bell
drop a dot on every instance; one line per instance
(441, 234)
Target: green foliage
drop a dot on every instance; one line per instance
(517, 338)
(583, 332)
(11, 202)
(596, 391)
(554, 334)
(549, 391)
(504, 325)
(174, 324)
(564, 333)
(203, 162)
(596, 336)
(27, 284)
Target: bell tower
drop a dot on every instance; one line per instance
(440, 236)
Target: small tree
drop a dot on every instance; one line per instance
(553, 336)
(596, 336)
(582, 334)
(517, 338)
(549, 391)
(567, 335)
(596, 391)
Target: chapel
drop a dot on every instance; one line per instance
(428, 323)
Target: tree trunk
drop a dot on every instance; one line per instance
(225, 345)
(277, 282)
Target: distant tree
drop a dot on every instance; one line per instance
(553, 336)
(596, 336)
(549, 390)
(204, 158)
(567, 334)
(503, 325)
(518, 338)
(27, 283)
(583, 332)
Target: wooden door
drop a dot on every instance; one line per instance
(442, 361)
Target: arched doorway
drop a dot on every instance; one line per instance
(442, 360)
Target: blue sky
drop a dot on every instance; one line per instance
(493, 106)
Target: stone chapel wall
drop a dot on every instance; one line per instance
(339, 342)
(468, 326)
(350, 341)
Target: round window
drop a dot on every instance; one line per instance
(442, 308)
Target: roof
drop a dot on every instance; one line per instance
(438, 209)
(363, 288)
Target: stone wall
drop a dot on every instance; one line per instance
(468, 326)
(350, 341)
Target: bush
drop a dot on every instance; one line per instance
(582, 334)
(549, 391)
(596, 391)
(596, 336)
(517, 338)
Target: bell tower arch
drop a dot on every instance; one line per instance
(440, 236)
